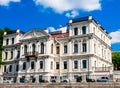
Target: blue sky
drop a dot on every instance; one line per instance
(28, 14)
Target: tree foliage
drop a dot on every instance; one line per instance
(8, 30)
(116, 60)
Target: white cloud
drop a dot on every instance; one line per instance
(115, 36)
(51, 29)
(6, 2)
(72, 14)
(61, 6)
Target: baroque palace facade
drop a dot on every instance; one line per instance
(82, 48)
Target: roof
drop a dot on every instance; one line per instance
(60, 35)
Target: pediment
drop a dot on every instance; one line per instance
(34, 34)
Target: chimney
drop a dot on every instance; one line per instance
(46, 30)
(70, 21)
(5, 33)
(18, 31)
(90, 17)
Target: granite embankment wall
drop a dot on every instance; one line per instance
(63, 85)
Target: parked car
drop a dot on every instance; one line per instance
(104, 79)
(79, 79)
(8, 81)
(63, 79)
(53, 79)
(24, 81)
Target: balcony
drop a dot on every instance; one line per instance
(102, 69)
(31, 54)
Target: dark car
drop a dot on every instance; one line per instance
(79, 79)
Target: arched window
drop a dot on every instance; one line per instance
(57, 48)
(84, 30)
(24, 65)
(41, 64)
(32, 65)
(51, 48)
(25, 49)
(33, 48)
(75, 31)
(42, 48)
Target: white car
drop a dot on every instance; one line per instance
(7, 81)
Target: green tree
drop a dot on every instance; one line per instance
(116, 60)
(8, 30)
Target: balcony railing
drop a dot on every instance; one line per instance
(31, 54)
(99, 69)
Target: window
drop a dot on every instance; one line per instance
(17, 67)
(84, 30)
(57, 50)
(51, 64)
(24, 65)
(10, 68)
(18, 54)
(84, 47)
(6, 55)
(57, 65)
(25, 49)
(42, 48)
(75, 31)
(12, 40)
(4, 68)
(33, 48)
(41, 64)
(65, 64)
(94, 48)
(11, 54)
(95, 63)
(84, 63)
(32, 65)
(7, 41)
(75, 48)
(51, 48)
(65, 48)
(75, 64)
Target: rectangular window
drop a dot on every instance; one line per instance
(65, 64)
(32, 65)
(58, 50)
(51, 64)
(18, 54)
(6, 55)
(84, 47)
(24, 65)
(11, 54)
(10, 68)
(57, 65)
(75, 64)
(17, 67)
(7, 41)
(84, 63)
(41, 64)
(75, 31)
(84, 30)
(65, 48)
(12, 40)
(75, 48)
(4, 68)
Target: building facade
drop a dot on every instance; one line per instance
(82, 48)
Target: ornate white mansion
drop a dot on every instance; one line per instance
(81, 48)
